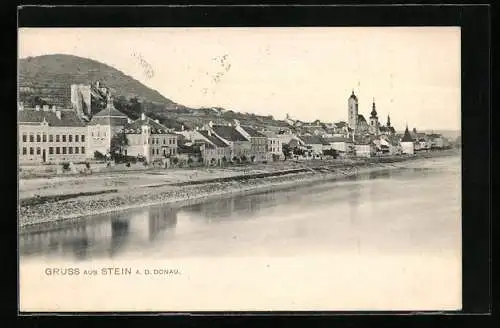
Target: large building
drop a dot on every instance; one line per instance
(50, 135)
(407, 145)
(258, 142)
(103, 126)
(150, 139)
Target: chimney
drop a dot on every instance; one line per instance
(37, 108)
(58, 114)
(143, 116)
(53, 108)
(45, 108)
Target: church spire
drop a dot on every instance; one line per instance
(388, 120)
(374, 110)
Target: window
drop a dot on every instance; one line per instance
(51, 138)
(63, 139)
(83, 138)
(44, 138)
(32, 138)
(64, 150)
(51, 150)
(83, 150)
(92, 133)
(70, 138)
(24, 137)
(164, 141)
(76, 138)
(58, 150)
(38, 150)
(77, 150)
(57, 138)
(24, 150)
(70, 150)
(37, 138)
(31, 150)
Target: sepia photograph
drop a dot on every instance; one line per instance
(239, 169)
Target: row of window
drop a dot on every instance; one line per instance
(171, 151)
(58, 138)
(58, 150)
(156, 141)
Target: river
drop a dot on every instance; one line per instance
(387, 240)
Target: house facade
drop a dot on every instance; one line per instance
(258, 142)
(214, 150)
(103, 126)
(407, 143)
(274, 145)
(239, 145)
(50, 135)
(365, 150)
(150, 139)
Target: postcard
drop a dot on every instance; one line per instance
(239, 169)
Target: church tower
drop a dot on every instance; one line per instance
(374, 125)
(352, 114)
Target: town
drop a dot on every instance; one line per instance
(67, 138)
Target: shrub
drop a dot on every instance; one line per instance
(128, 164)
(87, 165)
(99, 155)
(190, 160)
(224, 159)
(65, 166)
(253, 158)
(175, 160)
(200, 159)
(243, 158)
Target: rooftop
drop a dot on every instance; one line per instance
(252, 132)
(228, 132)
(313, 140)
(68, 118)
(213, 138)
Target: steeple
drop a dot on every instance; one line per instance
(374, 110)
(388, 120)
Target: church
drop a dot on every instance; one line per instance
(360, 126)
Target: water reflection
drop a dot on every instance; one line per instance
(223, 208)
(372, 210)
(106, 236)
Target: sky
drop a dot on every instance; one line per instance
(412, 73)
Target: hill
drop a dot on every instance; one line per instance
(50, 77)
(47, 80)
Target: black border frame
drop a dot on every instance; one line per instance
(474, 21)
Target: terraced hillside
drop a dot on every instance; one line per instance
(50, 77)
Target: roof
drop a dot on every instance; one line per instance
(252, 132)
(407, 137)
(313, 140)
(361, 118)
(353, 96)
(269, 134)
(228, 133)
(68, 118)
(136, 127)
(110, 111)
(213, 139)
(337, 139)
(340, 124)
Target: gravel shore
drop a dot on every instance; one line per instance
(69, 209)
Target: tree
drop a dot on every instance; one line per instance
(243, 158)
(253, 158)
(118, 142)
(330, 152)
(287, 152)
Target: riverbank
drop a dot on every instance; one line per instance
(178, 194)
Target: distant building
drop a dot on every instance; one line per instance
(214, 150)
(342, 145)
(149, 139)
(258, 142)
(314, 145)
(240, 146)
(49, 135)
(407, 143)
(365, 149)
(103, 126)
(274, 145)
(374, 124)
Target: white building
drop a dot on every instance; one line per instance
(50, 135)
(407, 145)
(274, 145)
(149, 139)
(103, 126)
